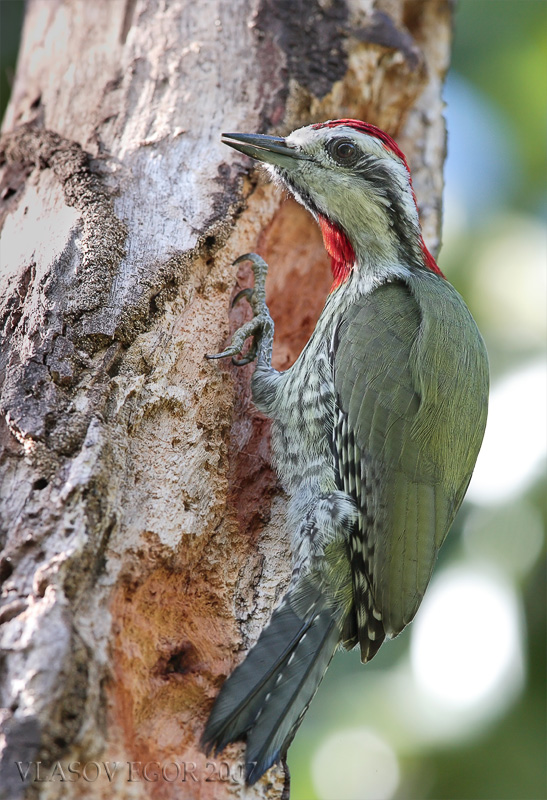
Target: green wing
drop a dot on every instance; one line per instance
(411, 383)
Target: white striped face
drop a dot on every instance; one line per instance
(354, 180)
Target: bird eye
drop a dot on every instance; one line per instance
(343, 150)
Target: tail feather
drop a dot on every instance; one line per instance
(242, 694)
(267, 695)
(295, 687)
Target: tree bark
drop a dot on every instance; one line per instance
(141, 524)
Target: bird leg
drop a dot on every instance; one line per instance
(260, 327)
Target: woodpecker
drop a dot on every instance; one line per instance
(376, 427)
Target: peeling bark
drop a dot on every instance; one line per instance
(141, 526)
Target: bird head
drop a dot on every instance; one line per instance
(356, 182)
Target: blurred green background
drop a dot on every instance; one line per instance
(455, 707)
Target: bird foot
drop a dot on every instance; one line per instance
(261, 326)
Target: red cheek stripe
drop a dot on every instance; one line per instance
(429, 260)
(339, 248)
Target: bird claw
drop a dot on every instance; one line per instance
(248, 358)
(248, 293)
(251, 328)
(260, 324)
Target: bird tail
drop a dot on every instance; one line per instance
(267, 695)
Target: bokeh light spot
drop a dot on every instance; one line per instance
(355, 764)
(465, 649)
(515, 443)
(510, 281)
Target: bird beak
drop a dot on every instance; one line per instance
(271, 149)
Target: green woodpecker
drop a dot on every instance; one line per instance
(376, 427)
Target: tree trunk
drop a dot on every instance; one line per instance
(142, 527)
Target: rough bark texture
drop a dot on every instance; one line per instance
(141, 525)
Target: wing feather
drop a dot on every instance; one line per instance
(400, 402)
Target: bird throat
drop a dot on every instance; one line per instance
(340, 250)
